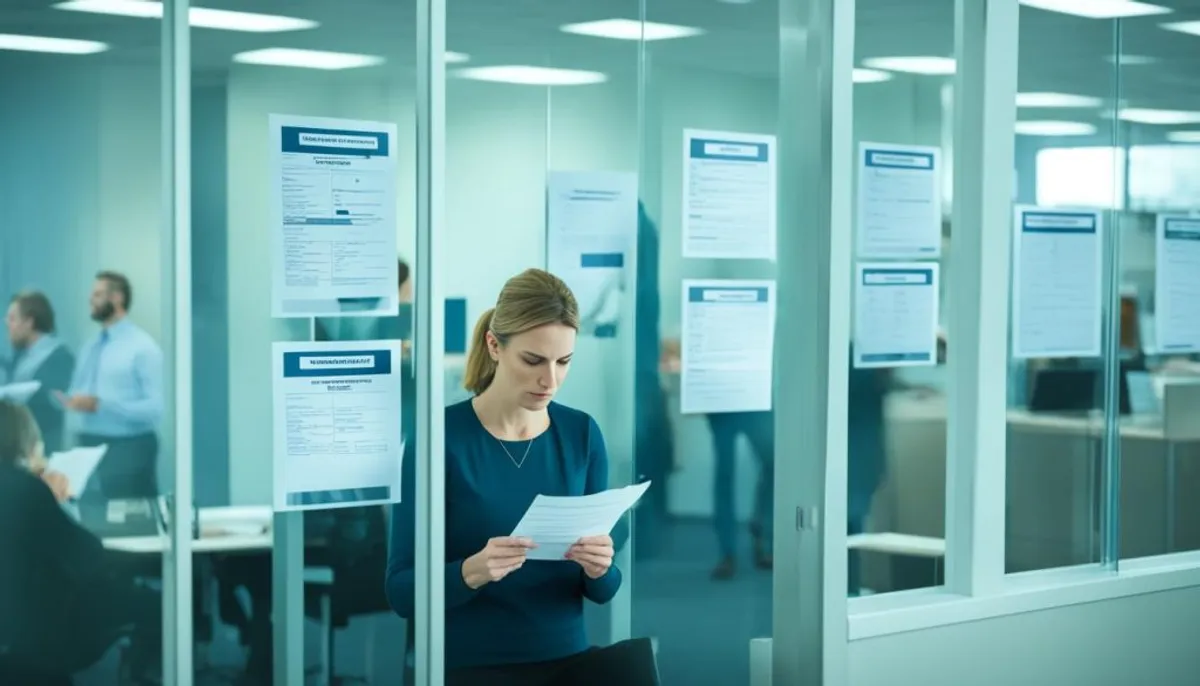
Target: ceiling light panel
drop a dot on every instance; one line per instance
(1098, 9)
(1055, 128)
(62, 46)
(1184, 136)
(1192, 27)
(199, 17)
(307, 59)
(925, 65)
(862, 75)
(1160, 117)
(1131, 60)
(526, 75)
(1056, 100)
(629, 29)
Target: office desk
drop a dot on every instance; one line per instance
(222, 530)
(1052, 481)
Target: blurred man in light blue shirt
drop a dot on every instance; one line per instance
(117, 393)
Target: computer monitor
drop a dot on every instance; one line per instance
(1077, 390)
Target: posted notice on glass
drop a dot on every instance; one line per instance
(899, 201)
(895, 314)
(1056, 286)
(727, 346)
(336, 424)
(333, 217)
(592, 223)
(729, 182)
(1177, 284)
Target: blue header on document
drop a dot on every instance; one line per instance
(734, 295)
(312, 141)
(899, 159)
(1058, 222)
(897, 357)
(604, 259)
(729, 151)
(897, 277)
(328, 363)
(1181, 229)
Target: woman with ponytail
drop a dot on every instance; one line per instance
(510, 620)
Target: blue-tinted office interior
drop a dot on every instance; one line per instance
(1010, 518)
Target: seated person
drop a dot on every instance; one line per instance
(64, 601)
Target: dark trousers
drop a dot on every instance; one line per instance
(654, 456)
(628, 663)
(759, 428)
(12, 674)
(129, 467)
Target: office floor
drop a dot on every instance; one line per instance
(703, 627)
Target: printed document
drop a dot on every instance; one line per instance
(20, 392)
(555, 523)
(78, 465)
(333, 217)
(337, 410)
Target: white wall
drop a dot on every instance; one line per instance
(1145, 639)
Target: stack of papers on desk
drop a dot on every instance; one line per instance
(20, 392)
(78, 465)
(555, 523)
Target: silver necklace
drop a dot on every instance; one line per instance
(510, 456)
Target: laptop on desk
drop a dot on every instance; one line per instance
(137, 517)
(1075, 392)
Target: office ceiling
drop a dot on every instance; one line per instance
(1058, 52)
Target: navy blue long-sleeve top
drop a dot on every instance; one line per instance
(536, 612)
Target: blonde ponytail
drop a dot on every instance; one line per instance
(481, 368)
(533, 298)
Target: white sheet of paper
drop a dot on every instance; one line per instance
(20, 392)
(592, 223)
(1177, 284)
(555, 523)
(78, 465)
(1056, 287)
(335, 410)
(333, 217)
(899, 201)
(896, 314)
(729, 195)
(727, 343)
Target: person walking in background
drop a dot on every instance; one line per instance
(866, 454)
(117, 393)
(759, 429)
(39, 356)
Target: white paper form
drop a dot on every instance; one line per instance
(727, 346)
(337, 424)
(592, 223)
(1177, 284)
(333, 217)
(899, 201)
(895, 314)
(77, 465)
(729, 195)
(1056, 286)
(20, 392)
(555, 523)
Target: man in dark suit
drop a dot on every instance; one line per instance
(39, 356)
